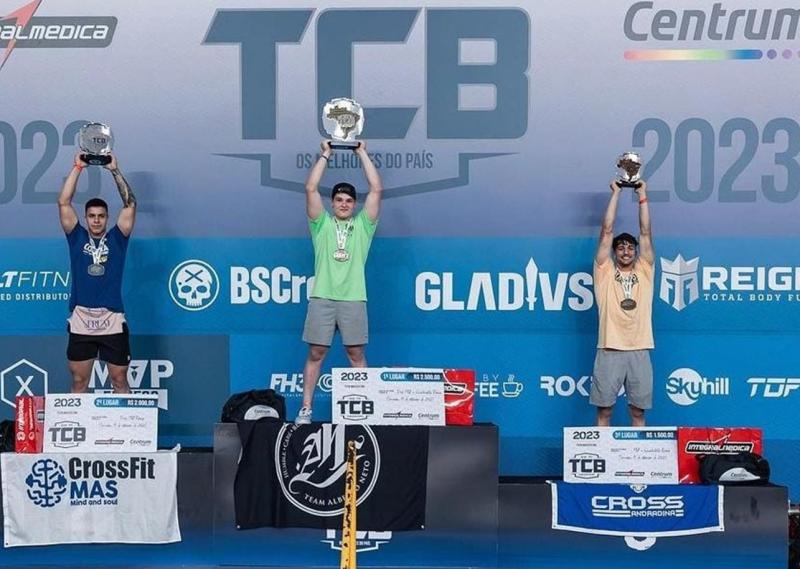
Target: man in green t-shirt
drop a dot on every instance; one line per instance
(341, 245)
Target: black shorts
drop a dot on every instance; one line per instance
(113, 348)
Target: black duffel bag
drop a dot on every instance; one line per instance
(253, 405)
(744, 468)
(7, 441)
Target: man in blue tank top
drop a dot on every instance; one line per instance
(97, 327)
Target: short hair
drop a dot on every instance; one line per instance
(344, 188)
(624, 238)
(96, 202)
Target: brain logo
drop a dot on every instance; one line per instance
(46, 483)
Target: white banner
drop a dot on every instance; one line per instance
(388, 396)
(90, 498)
(91, 422)
(623, 455)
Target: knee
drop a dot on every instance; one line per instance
(605, 412)
(119, 381)
(355, 353)
(635, 412)
(79, 384)
(317, 353)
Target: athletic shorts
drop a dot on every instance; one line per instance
(111, 348)
(325, 316)
(615, 368)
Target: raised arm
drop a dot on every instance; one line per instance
(372, 205)
(127, 215)
(66, 213)
(314, 207)
(646, 250)
(607, 229)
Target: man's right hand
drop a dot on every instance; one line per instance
(78, 163)
(325, 146)
(615, 187)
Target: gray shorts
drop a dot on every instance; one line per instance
(325, 316)
(615, 368)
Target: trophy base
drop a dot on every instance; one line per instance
(624, 184)
(96, 159)
(345, 144)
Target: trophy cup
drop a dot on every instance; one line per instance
(96, 141)
(629, 165)
(343, 120)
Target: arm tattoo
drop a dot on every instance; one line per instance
(125, 192)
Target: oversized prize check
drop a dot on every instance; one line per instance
(92, 422)
(388, 396)
(621, 455)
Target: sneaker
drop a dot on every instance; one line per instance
(303, 417)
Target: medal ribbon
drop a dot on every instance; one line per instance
(342, 233)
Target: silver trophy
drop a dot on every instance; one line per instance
(629, 165)
(343, 120)
(96, 142)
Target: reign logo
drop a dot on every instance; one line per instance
(311, 463)
(679, 281)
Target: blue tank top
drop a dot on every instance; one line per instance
(89, 288)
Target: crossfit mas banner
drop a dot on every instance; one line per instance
(293, 475)
(90, 498)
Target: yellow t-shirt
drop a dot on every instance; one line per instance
(622, 329)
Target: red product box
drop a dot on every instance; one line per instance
(459, 396)
(694, 442)
(29, 424)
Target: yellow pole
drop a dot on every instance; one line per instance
(348, 558)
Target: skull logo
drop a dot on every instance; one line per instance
(194, 285)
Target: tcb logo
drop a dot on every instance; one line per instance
(475, 83)
(587, 465)
(46, 483)
(356, 407)
(67, 434)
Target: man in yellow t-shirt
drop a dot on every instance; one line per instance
(341, 241)
(623, 288)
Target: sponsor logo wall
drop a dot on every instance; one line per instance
(187, 374)
(483, 255)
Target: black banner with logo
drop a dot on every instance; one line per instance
(293, 475)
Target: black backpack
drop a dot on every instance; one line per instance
(253, 405)
(7, 436)
(744, 468)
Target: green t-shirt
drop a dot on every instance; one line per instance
(341, 280)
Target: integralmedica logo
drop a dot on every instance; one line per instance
(684, 282)
(46, 483)
(20, 29)
(678, 32)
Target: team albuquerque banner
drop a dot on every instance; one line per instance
(495, 137)
(90, 498)
(293, 476)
